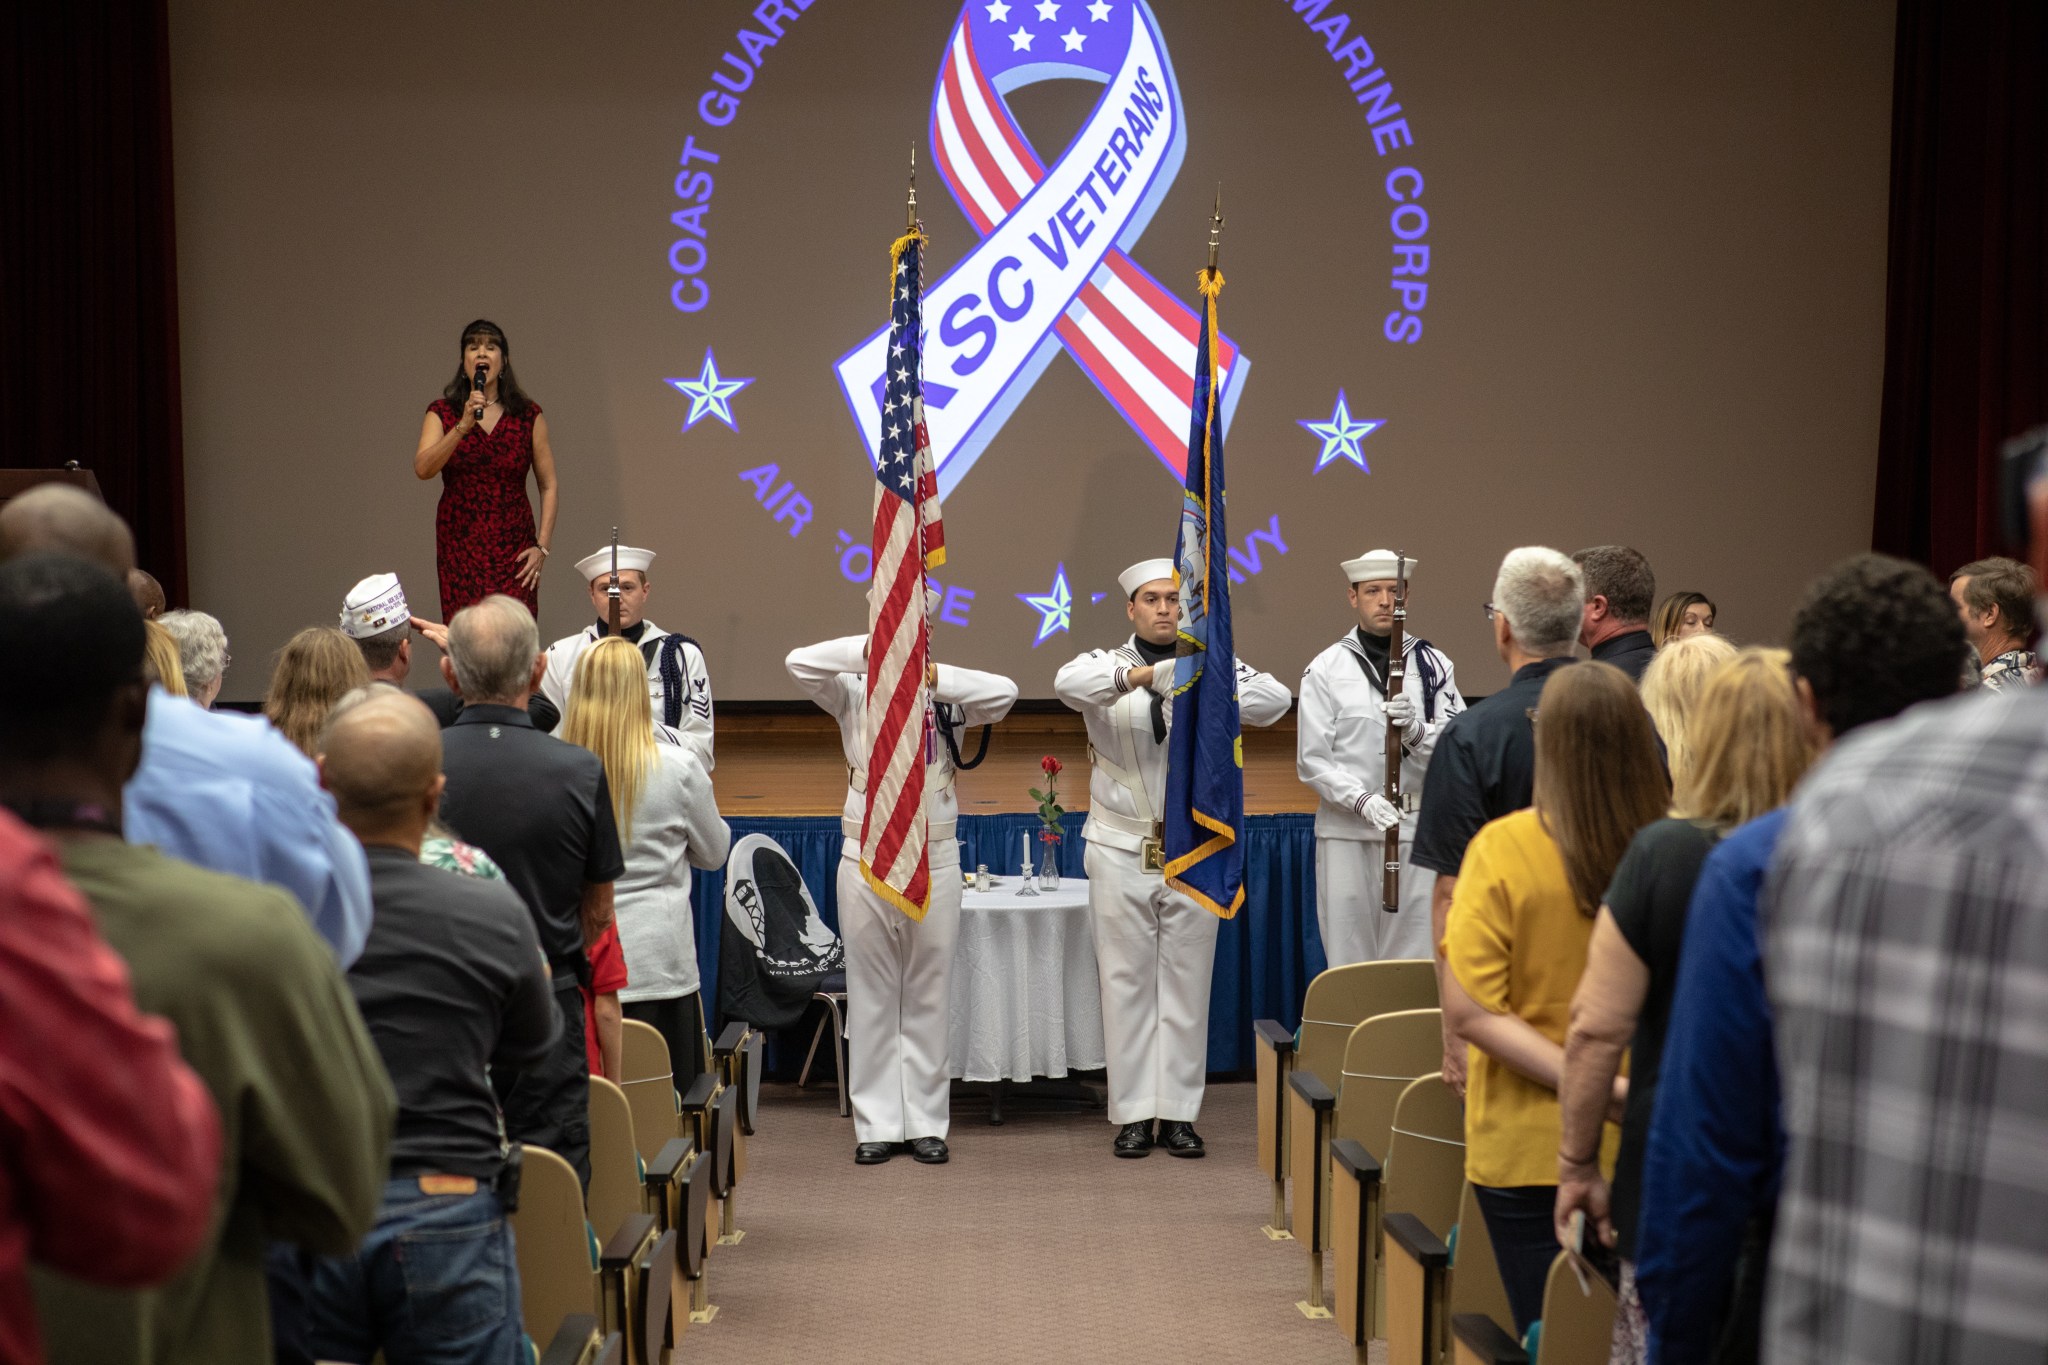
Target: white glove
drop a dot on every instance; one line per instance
(1401, 712)
(1379, 812)
(1162, 676)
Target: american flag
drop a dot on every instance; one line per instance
(909, 539)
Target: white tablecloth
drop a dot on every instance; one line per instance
(1025, 999)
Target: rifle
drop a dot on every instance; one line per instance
(1397, 674)
(612, 592)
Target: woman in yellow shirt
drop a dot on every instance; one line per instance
(1515, 941)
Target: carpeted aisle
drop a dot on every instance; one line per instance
(1033, 1245)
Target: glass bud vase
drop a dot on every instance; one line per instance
(1049, 867)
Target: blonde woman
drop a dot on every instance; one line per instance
(668, 824)
(1515, 944)
(160, 659)
(316, 668)
(1750, 745)
(1672, 685)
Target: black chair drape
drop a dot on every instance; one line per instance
(1966, 327)
(88, 260)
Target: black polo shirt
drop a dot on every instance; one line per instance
(1630, 651)
(450, 983)
(1484, 767)
(543, 811)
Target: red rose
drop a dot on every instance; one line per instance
(1051, 765)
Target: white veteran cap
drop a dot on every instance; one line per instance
(599, 565)
(373, 606)
(1375, 564)
(1143, 572)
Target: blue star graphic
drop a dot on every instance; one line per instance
(1055, 607)
(1340, 436)
(709, 395)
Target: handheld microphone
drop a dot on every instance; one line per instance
(477, 385)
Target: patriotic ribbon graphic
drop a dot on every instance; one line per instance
(1051, 271)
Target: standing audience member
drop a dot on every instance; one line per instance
(669, 823)
(1906, 947)
(261, 1012)
(1996, 600)
(202, 653)
(1752, 745)
(315, 669)
(1874, 636)
(1619, 591)
(1485, 761)
(1341, 752)
(543, 811)
(1516, 945)
(1681, 616)
(453, 988)
(110, 1143)
(148, 594)
(221, 791)
(1671, 687)
(160, 660)
(376, 616)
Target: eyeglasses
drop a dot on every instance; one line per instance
(1491, 611)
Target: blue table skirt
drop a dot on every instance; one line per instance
(1265, 956)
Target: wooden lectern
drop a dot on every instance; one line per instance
(15, 482)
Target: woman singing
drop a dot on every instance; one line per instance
(481, 436)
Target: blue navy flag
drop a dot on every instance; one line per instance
(1204, 845)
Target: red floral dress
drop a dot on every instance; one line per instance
(485, 518)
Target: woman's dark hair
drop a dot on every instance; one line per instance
(510, 394)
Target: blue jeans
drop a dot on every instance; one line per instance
(435, 1283)
(1519, 1222)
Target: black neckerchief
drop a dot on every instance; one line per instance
(1156, 655)
(632, 632)
(1378, 660)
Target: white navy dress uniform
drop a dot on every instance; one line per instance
(898, 970)
(683, 717)
(1155, 949)
(1341, 751)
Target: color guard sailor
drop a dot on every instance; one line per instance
(677, 682)
(1342, 753)
(1155, 949)
(898, 970)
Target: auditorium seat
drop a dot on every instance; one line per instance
(557, 1273)
(1381, 1057)
(649, 1086)
(730, 1056)
(1577, 1324)
(1394, 1287)
(1434, 1279)
(617, 1184)
(577, 1342)
(1337, 1001)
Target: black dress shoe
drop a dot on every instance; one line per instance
(930, 1150)
(872, 1153)
(1180, 1139)
(1133, 1139)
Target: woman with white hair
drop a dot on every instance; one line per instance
(202, 652)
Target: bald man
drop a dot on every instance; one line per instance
(452, 960)
(147, 592)
(221, 791)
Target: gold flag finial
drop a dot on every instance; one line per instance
(1216, 228)
(910, 212)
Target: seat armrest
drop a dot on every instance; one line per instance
(1273, 1034)
(1486, 1339)
(1350, 1153)
(571, 1340)
(699, 1096)
(729, 1039)
(669, 1160)
(634, 1230)
(1312, 1090)
(1424, 1247)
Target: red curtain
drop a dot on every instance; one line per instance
(88, 260)
(1966, 327)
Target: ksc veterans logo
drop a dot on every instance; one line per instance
(1051, 272)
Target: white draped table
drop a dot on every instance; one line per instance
(1025, 998)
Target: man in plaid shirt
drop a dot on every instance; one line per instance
(1906, 945)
